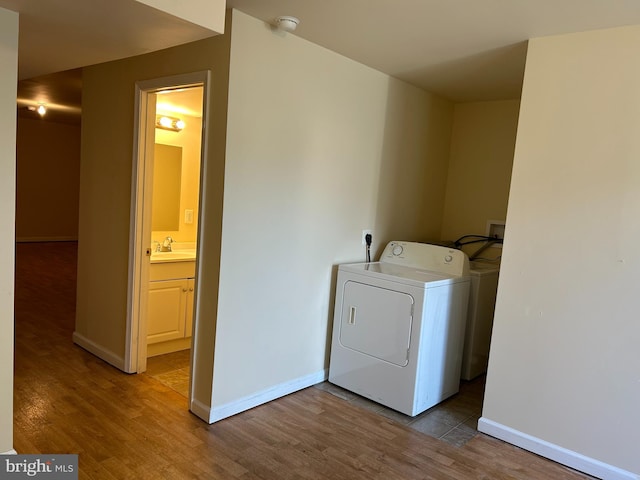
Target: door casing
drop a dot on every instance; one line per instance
(140, 227)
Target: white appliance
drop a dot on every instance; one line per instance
(399, 324)
(482, 303)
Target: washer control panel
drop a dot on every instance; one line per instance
(425, 256)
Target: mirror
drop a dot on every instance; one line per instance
(167, 176)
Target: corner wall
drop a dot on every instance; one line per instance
(482, 145)
(319, 147)
(206, 13)
(564, 369)
(8, 85)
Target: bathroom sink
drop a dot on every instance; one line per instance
(176, 256)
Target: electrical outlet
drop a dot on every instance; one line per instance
(364, 234)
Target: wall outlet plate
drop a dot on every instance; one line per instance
(495, 229)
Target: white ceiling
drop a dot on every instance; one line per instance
(63, 35)
(57, 35)
(461, 49)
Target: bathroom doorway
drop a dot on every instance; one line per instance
(163, 268)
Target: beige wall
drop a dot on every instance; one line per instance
(47, 180)
(8, 82)
(105, 192)
(319, 147)
(482, 143)
(189, 140)
(300, 186)
(564, 370)
(206, 13)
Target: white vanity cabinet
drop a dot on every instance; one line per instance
(170, 310)
(170, 307)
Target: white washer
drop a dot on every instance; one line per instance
(482, 303)
(399, 326)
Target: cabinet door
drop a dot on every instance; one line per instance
(188, 324)
(165, 310)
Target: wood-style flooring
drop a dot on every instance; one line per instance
(134, 427)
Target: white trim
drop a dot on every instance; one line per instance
(135, 357)
(266, 395)
(10, 452)
(46, 239)
(99, 351)
(196, 359)
(200, 410)
(554, 452)
(135, 354)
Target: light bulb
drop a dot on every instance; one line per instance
(165, 122)
(169, 123)
(41, 109)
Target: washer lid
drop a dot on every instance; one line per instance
(399, 273)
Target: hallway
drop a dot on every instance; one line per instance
(133, 427)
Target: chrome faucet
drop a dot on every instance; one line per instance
(166, 245)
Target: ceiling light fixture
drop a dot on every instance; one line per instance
(287, 23)
(41, 109)
(169, 123)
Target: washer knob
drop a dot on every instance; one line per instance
(448, 258)
(397, 250)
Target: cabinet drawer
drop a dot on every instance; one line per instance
(171, 270)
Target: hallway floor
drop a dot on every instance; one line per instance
(454, 421)
(135, 427)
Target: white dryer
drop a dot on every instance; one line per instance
(399, 323)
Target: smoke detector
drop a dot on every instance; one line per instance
(286, 23)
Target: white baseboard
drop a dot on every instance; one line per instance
(200, 410)
(10, 452)
(217, 413)
(554, 452)
(45, 239)
(99, 351)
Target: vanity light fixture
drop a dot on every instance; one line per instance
(169, 123)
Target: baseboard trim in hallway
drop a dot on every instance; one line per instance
(99, 351)
(250, 401)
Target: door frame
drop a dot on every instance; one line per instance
(135, 358)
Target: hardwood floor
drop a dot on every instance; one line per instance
(133, 427)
